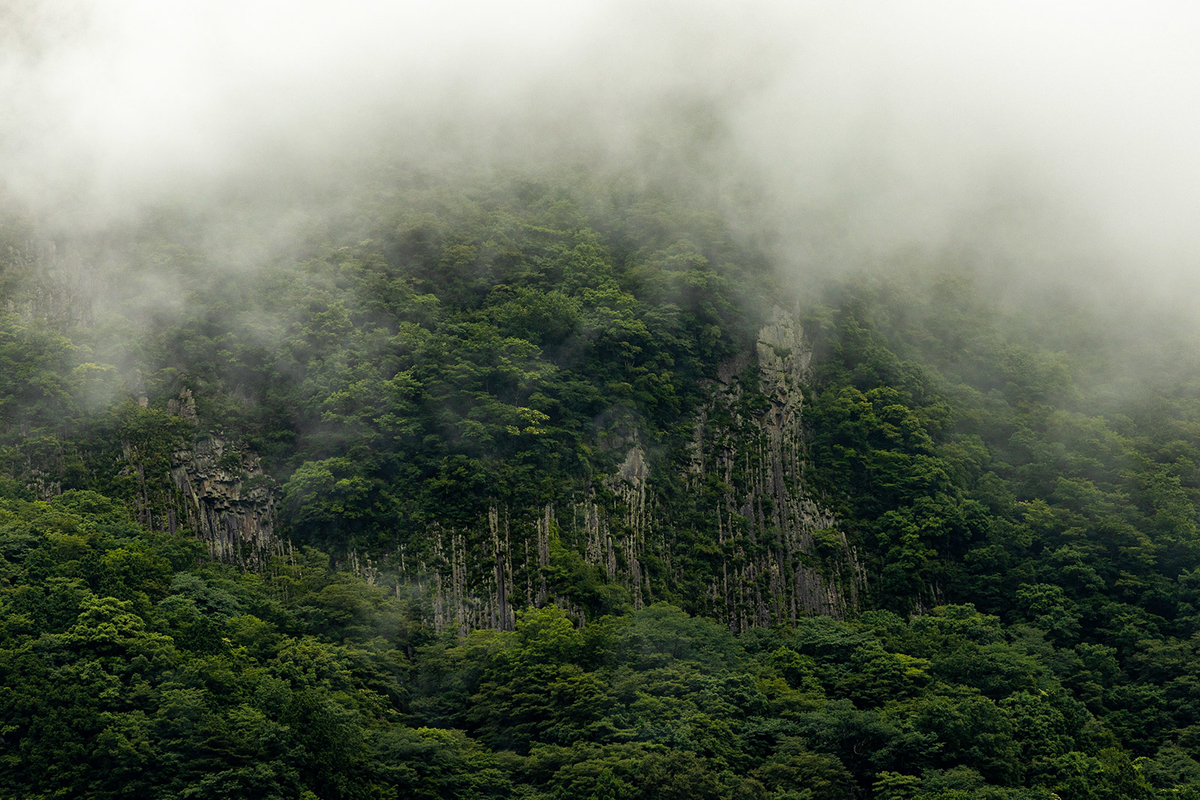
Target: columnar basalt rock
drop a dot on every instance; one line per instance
(629, 487)
(227, 499)
(778, 553)
(769, 519)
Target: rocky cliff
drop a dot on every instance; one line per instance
(227, 500)
(726, 526)
(783, 554)
(745, 538)
(210, 485)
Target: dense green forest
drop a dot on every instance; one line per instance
(560, 488)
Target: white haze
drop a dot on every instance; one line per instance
(1039, 137)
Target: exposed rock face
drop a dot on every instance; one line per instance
(783, 359)
(629, 487)
(227, 499)
(184, 407)
(788, 556)
(770, 552)
(466, 595)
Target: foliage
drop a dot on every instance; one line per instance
(1021, 490)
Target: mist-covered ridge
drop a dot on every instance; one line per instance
(458, 447)
(770, 401)
(1049, 141)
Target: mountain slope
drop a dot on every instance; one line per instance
(510, 490)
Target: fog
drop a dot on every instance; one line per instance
(1037, 139)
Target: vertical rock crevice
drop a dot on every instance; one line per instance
(745, 534)
(227, 500)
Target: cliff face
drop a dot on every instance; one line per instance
(208, 484)
(783, 554)
(227, 500)
(743, 541)
(725, 527)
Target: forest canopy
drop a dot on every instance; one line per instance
(465, 529)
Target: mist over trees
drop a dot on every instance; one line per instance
(604, 400)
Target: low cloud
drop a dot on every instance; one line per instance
(1040, 139)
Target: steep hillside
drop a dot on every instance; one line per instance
(515, 490)
(510, 398)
